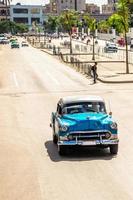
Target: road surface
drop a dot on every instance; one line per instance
(31, 82)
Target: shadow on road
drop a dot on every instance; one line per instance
(78, 154)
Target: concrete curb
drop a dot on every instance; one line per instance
(114, 82)
(47, 52)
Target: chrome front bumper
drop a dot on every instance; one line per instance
(89, 142)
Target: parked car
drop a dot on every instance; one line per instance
(83, 121)
(14, 44)
(24, 44)
(110, 48)
(131, 47)
(13, 39)
(121, 42)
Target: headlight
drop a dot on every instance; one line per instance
(113, 125)
(114, 136)
(63, 138)
(63, 128)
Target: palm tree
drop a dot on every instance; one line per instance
(120, 20)
(123, 12)
(67, 20)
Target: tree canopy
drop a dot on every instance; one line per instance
(7, 26)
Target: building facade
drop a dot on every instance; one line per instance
(100, 17)
(108, 9)
(112, 1)
(58, 6)
(4, 11)
(92, 8)
(27, 14)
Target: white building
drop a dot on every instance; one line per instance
(26, 14)
(60, 5)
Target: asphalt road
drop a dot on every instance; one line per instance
(31, 83)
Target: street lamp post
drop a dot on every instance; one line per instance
(93, 46)
(94, 35)
(75, 4)
(114, 5)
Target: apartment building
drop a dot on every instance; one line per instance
(26, 14)
(108, 9)
(57, 6)
(4, 11)
(112, 1)
(92, 8)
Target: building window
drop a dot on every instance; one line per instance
(20, 10)
(37, 20)
(23, 20)
(35, 11)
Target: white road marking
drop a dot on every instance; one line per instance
(54, 79)
(15, 80)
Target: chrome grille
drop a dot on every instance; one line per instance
(88, 135)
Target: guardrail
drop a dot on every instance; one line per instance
(82, 66)
(81, 49)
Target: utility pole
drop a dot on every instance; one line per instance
(75, 4)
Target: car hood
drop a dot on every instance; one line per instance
(87, 121)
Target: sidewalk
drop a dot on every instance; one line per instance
(118, 75)
(114, 72)
(108, 72)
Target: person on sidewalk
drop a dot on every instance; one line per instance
(94, 72)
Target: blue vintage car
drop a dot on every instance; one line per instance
(83, 121)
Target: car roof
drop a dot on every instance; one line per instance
(76, 99)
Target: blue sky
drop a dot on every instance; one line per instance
(99, 2)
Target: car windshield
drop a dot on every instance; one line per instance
(84, 108)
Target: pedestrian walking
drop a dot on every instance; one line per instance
(94, 72)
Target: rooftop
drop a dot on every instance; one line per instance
(28, 2)
(75, 99)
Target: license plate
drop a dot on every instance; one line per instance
(89, 143)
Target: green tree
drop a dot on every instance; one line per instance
(120, 21)
(21, 28)
(67, 20)
(7, 26)
(103, 26)
(85, 21)
(52, 23)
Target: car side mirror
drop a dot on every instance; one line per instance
(50, 125)
(110, 113)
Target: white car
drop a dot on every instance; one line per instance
(24, 44)
(110, 48)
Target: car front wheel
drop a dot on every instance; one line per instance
(55, 139)
(114, 149)
(62, 150)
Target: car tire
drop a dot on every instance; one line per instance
(55, 139)
(62, 150)
(114, 149)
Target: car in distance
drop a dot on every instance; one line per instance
(13, 39)
(121, 42)
(24, 44)
(110, 48)
(131, 47)
(83, 121)
(14, 44)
